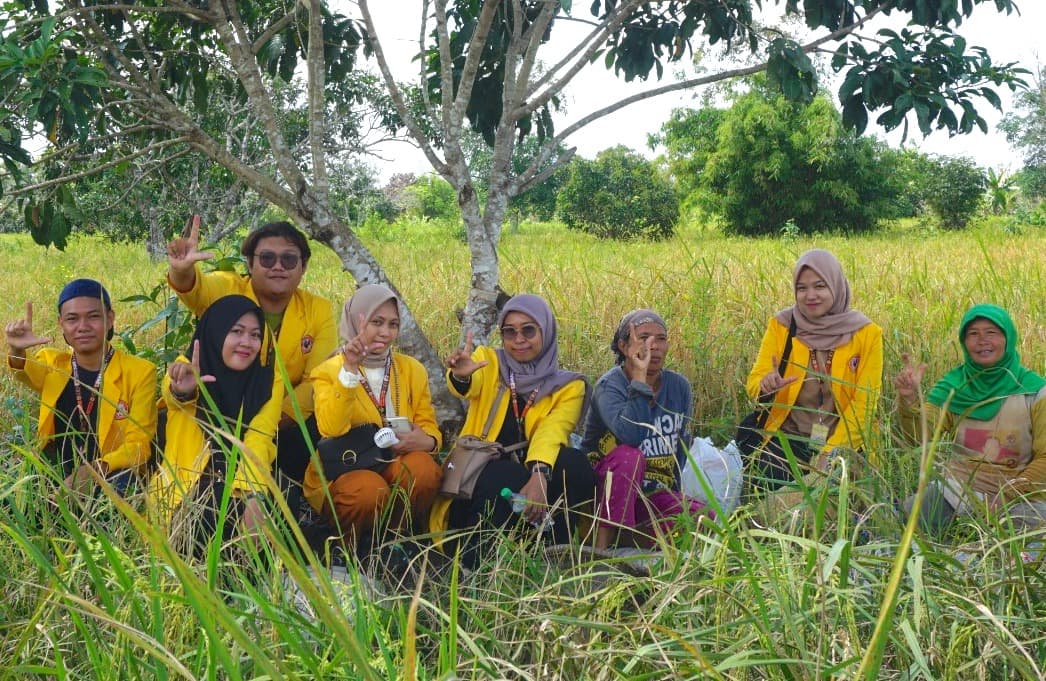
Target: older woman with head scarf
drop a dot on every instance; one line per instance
(636, 431)
(530, 401)
(369, 384)
(994, 409)
(223, 409)
(824, 393)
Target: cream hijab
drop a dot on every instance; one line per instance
(841, 323)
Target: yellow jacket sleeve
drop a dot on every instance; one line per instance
(857, 380)
(1032, 480)
(551, 420)
(769, 355)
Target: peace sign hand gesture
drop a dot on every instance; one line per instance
(637, 355)
(460, 362)
(185, 374)
(183, 253)
(355, 349)
(20, 336)
(908, 380)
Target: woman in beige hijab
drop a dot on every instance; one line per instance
(824, 394)
(368, 384)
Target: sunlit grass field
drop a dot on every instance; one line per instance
(101, 595)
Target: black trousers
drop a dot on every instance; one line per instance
(572, 480)
(294, 447)
(768, 468)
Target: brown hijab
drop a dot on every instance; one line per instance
(839, 325)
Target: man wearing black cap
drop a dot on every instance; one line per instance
(97, 404)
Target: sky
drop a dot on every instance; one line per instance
(1007, 38)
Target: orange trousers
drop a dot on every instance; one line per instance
(360, 497)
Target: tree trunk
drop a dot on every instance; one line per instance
(359, 262)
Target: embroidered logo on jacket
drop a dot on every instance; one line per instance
(854, 361)
(306, 345)
(121, 410)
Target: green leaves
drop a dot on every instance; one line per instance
(791, 69)
(928, 73)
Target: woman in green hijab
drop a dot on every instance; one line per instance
(993, 408)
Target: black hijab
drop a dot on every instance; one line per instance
(231, 390)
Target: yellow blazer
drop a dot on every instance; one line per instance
(857, 378)
(339, 408)
(307, 334)
(126, 407)
(547, 425)
(188, 451)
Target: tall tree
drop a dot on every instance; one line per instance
(1025, 128)
(117, 85)
(481, 71)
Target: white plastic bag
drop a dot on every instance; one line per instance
(721, 470)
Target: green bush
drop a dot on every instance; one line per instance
(619, 195)
(432, 197)
(767, 163)
(955, 191)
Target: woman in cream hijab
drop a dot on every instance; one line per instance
(824, 396)
(367, 382)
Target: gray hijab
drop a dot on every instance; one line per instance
(543, 374)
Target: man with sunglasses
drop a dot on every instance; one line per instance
(302, 323)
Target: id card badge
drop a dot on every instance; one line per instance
(819, 434)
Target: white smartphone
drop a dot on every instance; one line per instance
(399, 424)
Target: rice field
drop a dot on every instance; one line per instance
(98, 592)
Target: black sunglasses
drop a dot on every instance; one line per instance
(529, 332)
(267, 259)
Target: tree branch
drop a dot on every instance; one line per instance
(97, 169)
(438, 164)
(317, 101)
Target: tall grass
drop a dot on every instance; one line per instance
(89, 589)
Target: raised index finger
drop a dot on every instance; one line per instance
(468, 343)
(194, 230)
(29, 313)
(196, 356)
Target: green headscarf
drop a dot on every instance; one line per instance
(980, 391)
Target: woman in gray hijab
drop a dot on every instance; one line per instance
(532, 405)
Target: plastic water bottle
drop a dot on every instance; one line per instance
(519, 502)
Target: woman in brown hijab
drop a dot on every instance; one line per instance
(369, 383)
(824, 394)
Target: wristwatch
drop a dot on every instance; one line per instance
(543, 468)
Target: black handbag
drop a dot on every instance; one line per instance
(750, 435)
(353, 451)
